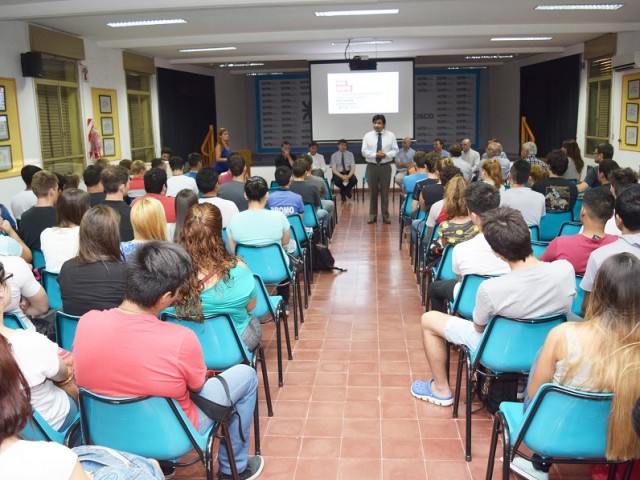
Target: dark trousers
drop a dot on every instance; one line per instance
(344, 189)
(440, 293)
(379, 178)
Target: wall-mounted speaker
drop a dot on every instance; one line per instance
(31, 64)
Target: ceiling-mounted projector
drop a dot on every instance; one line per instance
(362, 63)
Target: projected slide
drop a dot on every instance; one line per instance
(362, 92)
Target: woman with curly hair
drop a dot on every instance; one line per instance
(492, 174)
(221, 282)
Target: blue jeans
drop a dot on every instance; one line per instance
(108, 464)
(416, 227)
(323, 217)
(71, 416)
(243, 386)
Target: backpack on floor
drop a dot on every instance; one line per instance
(494, 390)
(323, 259)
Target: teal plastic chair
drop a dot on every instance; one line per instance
(551, 222)
(442, 272)
(38, 259)
(270, 263)
(577, 207)
(535, 233)
(303, 243)
(13, 321)
(539, 248)
(38, 429)
(465, 301)
(562, 425)
(570, 228)
(153, 427)
(52, 287)
(421, 249)
(576, 306)
(273, 305)
(225, 239)
(507, 349)
(66, 326)
(302, 254)
(311, 220)
(332, 197)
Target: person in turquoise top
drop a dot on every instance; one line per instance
(221, 282)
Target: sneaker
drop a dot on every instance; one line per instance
(169, 471)
(522, 386)
(422, 390)
(253, 470)
(525, 469)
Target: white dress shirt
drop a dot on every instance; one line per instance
(389, 146)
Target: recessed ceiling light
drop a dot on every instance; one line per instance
(362, 42)
(339, 13)
(145, 23)
(519, 39)
(488, 57)
(206, 49)
(592, 6)
(234, 65)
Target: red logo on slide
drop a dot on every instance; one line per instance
(343, 86)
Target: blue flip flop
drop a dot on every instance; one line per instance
(422, 390)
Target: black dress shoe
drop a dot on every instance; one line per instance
(372, 219)
(348, 194)
(386, 220)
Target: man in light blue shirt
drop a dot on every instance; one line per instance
(404, 160)
(438, 147)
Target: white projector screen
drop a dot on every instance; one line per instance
(343, 102)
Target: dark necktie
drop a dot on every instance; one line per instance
(379, 146)
(344, 168)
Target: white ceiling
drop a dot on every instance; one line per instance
(280, 32)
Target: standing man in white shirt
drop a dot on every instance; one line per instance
(319, 166)
(470, 156)
(379, 148)
(404, 160)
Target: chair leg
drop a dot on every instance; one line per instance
(276, 320)
(265, 380)
(226, 437)
(492, 447)
(467, 448)
(283, 317)
(256, 427)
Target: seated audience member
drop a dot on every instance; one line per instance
(60, 243)
(94, 279)
(491, 172)
(537, 173)
(166, 153)
(494, 152)
(575, 169)
(38, 359)
(435, 212)
(26, 199)
(409, 181)
(531, 204)
(71, 180)
(259, 226)
(23, 459)
(438, 148)
(11, 245)
(155, 184)
(597, 355)
(403, 161)
(5, 215)
(605, 168)
(432, 164)
(285, 158)
(549, 287)
(308, 191)
(131, 365)
(185, 199)
(560, 194)
(136, 185)
(116, 183)
(43, 214)
(126, 164)
(528, 153)
(207, 180)
(456, 225)
(602, 151)
(318, 182)
(620, 179)
(473, 257)
(456, 151)
(28, 298)
(343, 168)
(234, 190)
(195, 164)
(318, 163)
(596, 209)
(470, 156)
(91, 177)
(159, 163)
(627, 208)
(283, 199)
(147, 219)
(178, 180)
(221, 282)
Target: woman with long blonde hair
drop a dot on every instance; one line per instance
(492, 174)
(455, 225)
(221, 283)
(149, 223)
(223, 150)
(601, 354)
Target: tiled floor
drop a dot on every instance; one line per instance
(345, 411)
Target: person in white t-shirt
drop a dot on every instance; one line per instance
(207, 180)
(319, 166)
(27, 297)
(178, 180)
(26, 199)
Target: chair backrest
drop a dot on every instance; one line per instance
(274, 184)
(445, 267)
(298, 250)
(225, 239)
(406, 206)
(38, 258)
(538, 248)
(268, 261)
(12, 320)
(297, 225)
(563, 422)
(66, 326)
(38, 429)
(329, 195)
(263, 305)
(310, 217)
(511, 345)
(52, 287)
(153, 427)
(570, 228)
(551, 222)
(577, 207)
(535, 233)
(221, 345)
(465, 301)
(576, 306)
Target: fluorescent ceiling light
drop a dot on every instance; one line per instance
(519, 39)
(466, 68)
(363, 42)
(488, 57)
(340, 13)
(254, 74)
(592, 6)
(207, 49)
(234, 65)
(145, 23)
